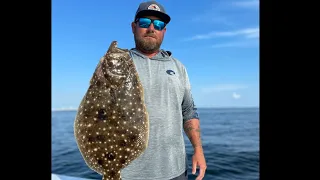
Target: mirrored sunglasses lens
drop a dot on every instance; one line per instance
(144, 22)
(159, 25)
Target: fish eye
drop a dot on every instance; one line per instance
(110, 63)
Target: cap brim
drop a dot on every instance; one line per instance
(159, 14)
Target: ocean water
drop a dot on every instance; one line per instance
(230, 140)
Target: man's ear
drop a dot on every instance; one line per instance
(133, 27)
(164, 30)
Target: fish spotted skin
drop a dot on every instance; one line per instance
(112, 125)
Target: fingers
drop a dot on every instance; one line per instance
(201, 173)
(194, 167)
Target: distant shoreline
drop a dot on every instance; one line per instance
(244, 107)
(53, 110)
(239, 107)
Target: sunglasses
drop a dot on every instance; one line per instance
(146, 22)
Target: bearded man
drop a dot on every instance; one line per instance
(169, 103)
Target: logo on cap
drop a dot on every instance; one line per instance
(154, 7)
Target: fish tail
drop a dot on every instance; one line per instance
(116, 176)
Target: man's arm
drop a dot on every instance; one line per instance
(191, 126)
(192, 130)
(191, 122)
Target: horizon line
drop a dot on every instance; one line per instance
(204, 107)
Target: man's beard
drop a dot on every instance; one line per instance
(147, 46)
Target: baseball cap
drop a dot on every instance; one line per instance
(152, 8)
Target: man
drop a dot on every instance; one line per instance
(169, 103)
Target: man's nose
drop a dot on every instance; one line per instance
(151, 27)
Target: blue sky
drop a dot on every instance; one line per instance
(217, 41)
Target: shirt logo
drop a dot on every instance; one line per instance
(170, 72)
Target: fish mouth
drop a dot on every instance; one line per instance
(118, 74)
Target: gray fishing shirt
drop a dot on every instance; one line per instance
(167, 94)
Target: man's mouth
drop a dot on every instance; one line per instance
(150, 37)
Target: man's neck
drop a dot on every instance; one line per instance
(149, 55)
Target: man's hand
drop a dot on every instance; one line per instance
(198, 160)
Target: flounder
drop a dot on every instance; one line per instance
(112, 125)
